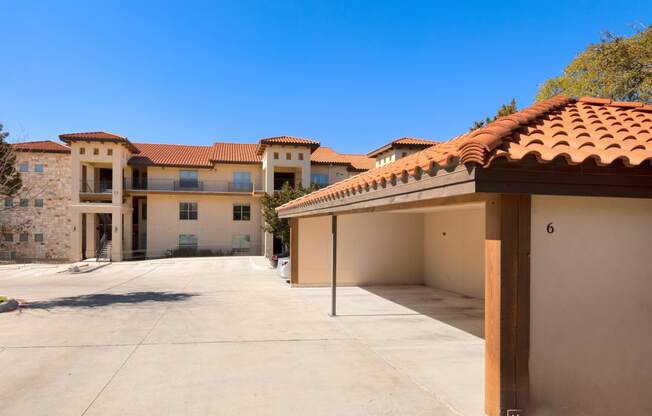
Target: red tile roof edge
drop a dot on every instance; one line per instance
(97, 136)
(501, 138)
(40, 146)
(404, 142)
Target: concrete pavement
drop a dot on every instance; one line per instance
(225, 336)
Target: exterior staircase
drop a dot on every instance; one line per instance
(104, 252)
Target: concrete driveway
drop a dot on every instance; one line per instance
(225, 336)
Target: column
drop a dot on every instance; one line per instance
(116, 167)
(507, 304)
(116, 234)
(76, 236)
(91, 235)
(128, 231)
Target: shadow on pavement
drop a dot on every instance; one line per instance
(108, 299)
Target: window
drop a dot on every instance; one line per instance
(82, 150)
(8, 237)
(300, 156)
(187, 210)
(24, 202)
(23, 237)
(38, 168)
(403, 154)
(242, 181)
(38, 237)
(319, 179)
(109, 152)
(9, 203)
(188, 178)
(144, 212)
(23, 167)
(288, 156)
(275, 155)
(96, 151)
(188, 240)
(241, 212)
(241, 243)
(38, 203)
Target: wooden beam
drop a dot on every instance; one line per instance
(294, 250)
(507, 303)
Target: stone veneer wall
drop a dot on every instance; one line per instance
(52, 220)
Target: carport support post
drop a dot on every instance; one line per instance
(333, 265)
(507, 303)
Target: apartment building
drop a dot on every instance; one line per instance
(128, 200)
(35, 223)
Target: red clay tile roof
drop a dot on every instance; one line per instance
(97, 136)
(194, 156)
(403, 142)
(235, 153)
(45, 146)
(103, 135)
(560, 127)
(286, 140)
(361, 162)
(326, 156)
(172, 155)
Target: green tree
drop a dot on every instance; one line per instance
(619, 68)
(10, 181)
(280, 227)
(504, 110)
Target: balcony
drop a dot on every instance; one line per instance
(96, 187)
(172, 185)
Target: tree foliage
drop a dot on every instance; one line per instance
(280, 227)
(619, 68)
(10, 181)
(504, 110)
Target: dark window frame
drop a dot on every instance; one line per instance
(188, 211)
(242, 212)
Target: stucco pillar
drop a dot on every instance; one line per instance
(128, 231)
(91, 180)
(75, 180)
(76, 236)
(91, 223)
(269, 244)
(305, 175)
(116, 235)
(116, 184)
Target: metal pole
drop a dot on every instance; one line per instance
(333, 265)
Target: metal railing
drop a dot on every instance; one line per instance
(187, 186)
(96, 187)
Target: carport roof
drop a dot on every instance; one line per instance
(576, 131)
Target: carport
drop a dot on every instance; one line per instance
(512, 213)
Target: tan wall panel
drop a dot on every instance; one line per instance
(375, 248)
(214, 226)
(591, 291)
(453, 248)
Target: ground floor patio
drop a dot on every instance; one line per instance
(227, 336)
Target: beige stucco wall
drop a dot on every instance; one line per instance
(374, 248)
(591, 306)
(335, 173)
(214, 227)
(52, 220)
(453, 248)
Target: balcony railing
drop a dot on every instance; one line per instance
(96, 187)
(171, 185)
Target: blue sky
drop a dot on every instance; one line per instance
(352, 74)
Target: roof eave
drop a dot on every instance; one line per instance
(458, 180)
